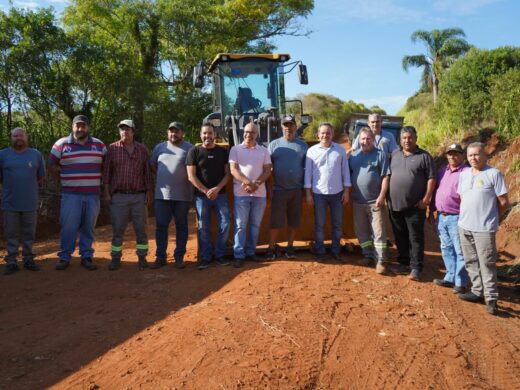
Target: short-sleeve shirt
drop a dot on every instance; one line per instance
(479, 205)
(410, 175)
(172, 178)
(251, 163)
(326, 169)
(210, 166)
(19, 173)
(446, 198)
(384, 141)
(288, 159)
(367, 171)
(80, 165)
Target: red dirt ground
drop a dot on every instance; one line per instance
(284, 324)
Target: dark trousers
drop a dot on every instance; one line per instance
(408, 227)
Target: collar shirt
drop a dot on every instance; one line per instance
(326, 169)
(447, 200)
(125, 171)
(384, 141)
(251, 161)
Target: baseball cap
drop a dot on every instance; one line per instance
(454, 148)
(81, 119)
(288, 118)
(177, 125)
(127, 122)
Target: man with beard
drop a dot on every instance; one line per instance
(128, 188)
(22, 171)
(76, 162)
(208, 171)
(173, 194)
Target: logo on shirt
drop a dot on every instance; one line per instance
(93, 148)
(30, 164)
(210, 156)
(479, 183)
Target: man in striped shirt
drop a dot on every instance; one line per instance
(76, 162)
(128, 187)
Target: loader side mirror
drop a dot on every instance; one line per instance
(302, 74)
(198, 76)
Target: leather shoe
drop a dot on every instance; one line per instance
(62, 265)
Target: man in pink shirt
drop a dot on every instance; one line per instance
(250, 165)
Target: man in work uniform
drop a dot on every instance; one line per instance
(383, 139)
(22, 171)
(288, 158)
(326, 183)
(369, 171)
(173, 194)
(250, 165)
(447, 203)
(76, 162)
(484, 199)
(411, 189)
(128, 188)
(208, 171)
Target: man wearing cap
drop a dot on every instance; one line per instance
(173, 194)
(128, 188)
(383, 139)
(446, 201)
(208, 171)
(327, 182)
(76, 163)
(412, 183)
(483, 200)
(288, 159)
(22, 171)
(370, 175)
(250, 165)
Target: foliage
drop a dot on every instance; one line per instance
(443, 48)
(505, 106)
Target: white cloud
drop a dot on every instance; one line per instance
(391, 104)
(461, 7)
(26, 4)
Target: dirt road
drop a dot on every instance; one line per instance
(283, 324)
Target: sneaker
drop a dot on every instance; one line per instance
(62, 265)
(415, 274)
(88, 264)
(402, 269)
(289, 253)
(380, 268)
(442, 283)
(270, 254)
(114, 265)
(180, 264)
(459, 289)
(222, 261)
(31, 265)
(11, 269)
(203, 264)
(470, 297)
(338, 258)
(492, 307)
(366, 261)
(158, 263)
(238, 263)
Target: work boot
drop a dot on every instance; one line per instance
(30, 265)
(88, 264)
(470, 296)
(141, 262)
(442, 283)
(492, 307)
(158, 263)
(114, 264)
(62, 265)
(11, 268)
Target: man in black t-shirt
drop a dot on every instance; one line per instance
(208, 171)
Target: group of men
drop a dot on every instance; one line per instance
(468, 200)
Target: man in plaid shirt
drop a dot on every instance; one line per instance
(128, 187)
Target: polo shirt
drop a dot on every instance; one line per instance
(80, 164)
(288, 159)
(447, 200)
(367, 170)
(409, 178)
(251, 161)
(326, 169)
(479, 205)
(384, 141)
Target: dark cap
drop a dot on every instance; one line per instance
(288, 118)
(81, 119)
(454, 148)
(177, 125)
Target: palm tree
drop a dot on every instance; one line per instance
(443, 48)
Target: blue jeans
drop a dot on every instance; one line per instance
(321, 202)
(451, 250)
(204, 206)
(164, 211)
(77, 212)
(249, 211)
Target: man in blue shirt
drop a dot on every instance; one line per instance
(21, 171)
(383, 140)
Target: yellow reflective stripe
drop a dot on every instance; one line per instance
(380, 244)
(117, 248)
(142, 246)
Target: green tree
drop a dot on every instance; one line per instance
(443, 48)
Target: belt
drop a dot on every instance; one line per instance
(129, 192)
(446, 214)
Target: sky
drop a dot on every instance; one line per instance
(355, 49)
